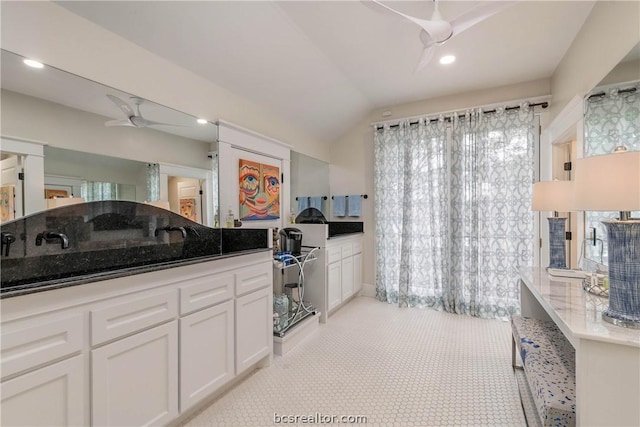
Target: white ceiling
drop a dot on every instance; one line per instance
(326, 64)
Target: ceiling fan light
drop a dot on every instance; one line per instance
(202, 121)
(33, 64)
(447, 59)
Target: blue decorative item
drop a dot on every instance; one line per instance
(557, 253)
(624, 273)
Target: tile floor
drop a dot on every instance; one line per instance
(396, 367)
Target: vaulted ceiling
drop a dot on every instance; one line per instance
(326, 64)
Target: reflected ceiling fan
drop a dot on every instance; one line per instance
(436, 31)
(134, 117)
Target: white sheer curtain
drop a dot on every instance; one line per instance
(96, 191)
(453, 219)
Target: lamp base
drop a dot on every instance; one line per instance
(624, 273)
(557, 237)
(620, 322)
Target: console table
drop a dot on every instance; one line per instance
(607, 356)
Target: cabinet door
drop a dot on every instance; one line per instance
(135, 379)
(334, 285)
(50, 396)
(206, 352)
(254, 328)
(347, 277)
(357, 272)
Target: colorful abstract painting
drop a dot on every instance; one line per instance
(7, 212)
(188, 208)
(259, 191)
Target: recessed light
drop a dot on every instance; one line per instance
(447, 59)
(202, 121)
(32, 63)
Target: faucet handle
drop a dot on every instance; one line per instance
(6, 240)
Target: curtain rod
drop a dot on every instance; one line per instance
(601, 94)
(448, 118)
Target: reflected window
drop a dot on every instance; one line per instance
(611, 119)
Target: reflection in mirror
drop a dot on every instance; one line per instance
(81, 117)
(611, 119)
(309, 179)
(10, 187)
(69, 173)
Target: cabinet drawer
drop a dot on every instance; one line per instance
(37, 345)
(205, 291)
(128, 317)
(334, 255)
(357, 247)
(249, 279)
(347, 250)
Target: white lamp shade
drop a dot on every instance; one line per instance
(552, 196)
(608, 183)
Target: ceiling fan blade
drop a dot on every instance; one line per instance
(427, 51)
(427, 54)
(141, 122)
(126, 108)
(122, 122)
(478, 14)
(438, 29)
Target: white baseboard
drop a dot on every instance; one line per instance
(368, 290)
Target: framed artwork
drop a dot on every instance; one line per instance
(188, 208)
(7, 199)
(52, 194)
(259, 191)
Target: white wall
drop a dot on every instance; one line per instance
(608, 34)
(237, 143)
(59, 38)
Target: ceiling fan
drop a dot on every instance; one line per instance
(436, 31)
(134, 118)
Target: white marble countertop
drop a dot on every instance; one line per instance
(576, 312)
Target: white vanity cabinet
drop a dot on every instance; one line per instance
(206, 337)
(43, 373)
(337, 275)
(143, 349)
(254, 302)
(344, 268)
(134, 377)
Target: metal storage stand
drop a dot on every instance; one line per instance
(302, 309)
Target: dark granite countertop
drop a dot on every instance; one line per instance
(94, 241)
(49, 285)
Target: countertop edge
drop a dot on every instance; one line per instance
(95, 277)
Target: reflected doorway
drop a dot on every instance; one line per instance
(11, 188)
(186, 197)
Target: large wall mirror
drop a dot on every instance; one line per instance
(611, 119)
(309, 183)
(102, 143)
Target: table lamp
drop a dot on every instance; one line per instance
(611, 182)
(554, 196)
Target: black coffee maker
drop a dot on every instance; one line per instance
(291, 240)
